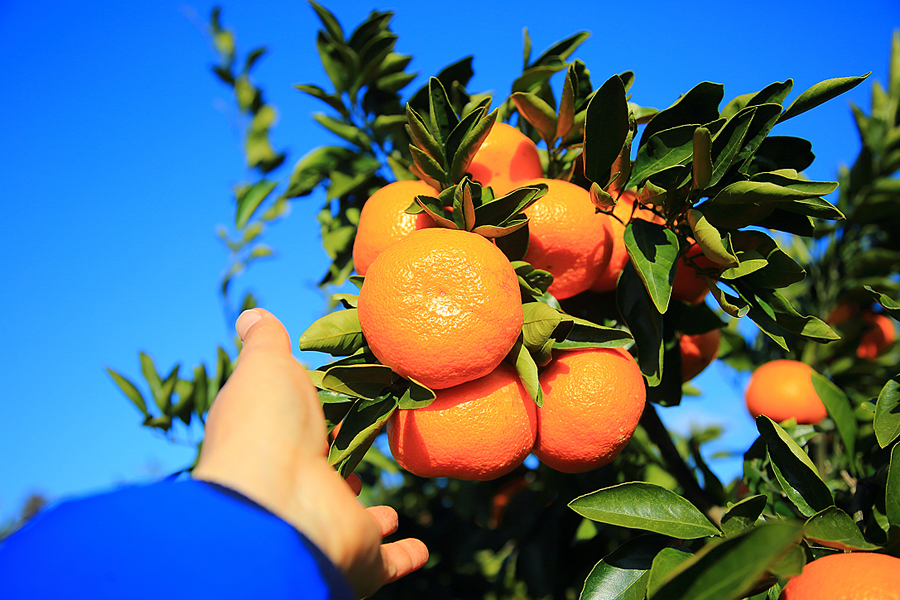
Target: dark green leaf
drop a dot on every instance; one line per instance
(887, 413)
(421, 136)
(639, 505)
(839, 409)
(443, 117)
(331, 100)
(727, 570)
(561, 49)
(357, 433)
(567, 103)
(700, 105)
(820, 93)
(795, 472)
(359, 381)
(889, 304)
(743, 516)
(664, 563)
(343, 130)
(623, 573)
(702, 158)
(892, 491)
(653, 250)
(643, 320)
(777, 270)
(130, 390)
(338, 333)
(538, 113)
(416, 396)
(664, 150)
(332, 25)
(606, 127)
(833, 528)
(470, 144)
(584, 334)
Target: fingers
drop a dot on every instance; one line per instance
(261, 331)
(385, 517)
(402, 558)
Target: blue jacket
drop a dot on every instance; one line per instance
(172, 539)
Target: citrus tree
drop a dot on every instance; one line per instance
(540, 275)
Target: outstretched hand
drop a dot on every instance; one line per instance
(265, 438)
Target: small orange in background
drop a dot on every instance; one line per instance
(593, 400)
(441, 306)
(384, 220)
(567, 237)
(480, 430)
(847, 576)
(783, 389)
(877, 338)
(697, 352)
(618, 257)
(689, 284)
(506, 158)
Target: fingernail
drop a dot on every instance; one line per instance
(245, 321)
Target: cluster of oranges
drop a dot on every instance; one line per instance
(443, 307)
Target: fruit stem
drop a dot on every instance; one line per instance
(674, 462)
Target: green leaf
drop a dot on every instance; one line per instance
(653, 250)
(527, 370)
(338, 333)
(470, 144)
(623, 573)
(640, 505)
(840, 410)
(892, 491)
(729, 569)
(663, 150)
(130, 390)
(734, 306)
(699, 106)
(538, 113)
(357, 433)
(644, 321)
(664, 563)
(501, 211)
(540, 323)
(743, 516)
(833, 528)
(344, 130)
(796, 473)
(889, 304)
(567, 103)
(249, 199)
(584, 334)
(606, 128)
(561, 49)
(332, 25)
(710, 240)
(443, 118)
(777, 270)
(415, 396)
(360, 381)
(887, 413)
(820, 93)
(332, 100)
(427, 169)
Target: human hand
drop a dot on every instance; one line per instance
(265, 438)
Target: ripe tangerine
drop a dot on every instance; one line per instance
(782, 389)
(506, 158)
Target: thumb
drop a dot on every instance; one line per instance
(261, 332)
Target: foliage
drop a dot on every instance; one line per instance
(658, 520)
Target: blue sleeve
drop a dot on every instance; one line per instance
(186, 539)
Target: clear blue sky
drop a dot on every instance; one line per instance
(119, 154)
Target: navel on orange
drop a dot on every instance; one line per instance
(441, 306)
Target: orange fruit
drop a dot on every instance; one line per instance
(697, 352)
(877, 338)
(782, 389)
(606, 281)
(689, 284)
(441, 306)
(567, 237)
(479, 430)
(383, 220)
(593, 400)
(506, 158)
(847, 576)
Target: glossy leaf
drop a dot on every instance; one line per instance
(653, 250)
(892, 491)
(644, 321)
(820, 93)
(833, 528)
(710, 240)
(540, 323)
(699, 106)
(470, 144)
(839, 409)
(538, 113)
(664, 563)
(442, 116)
(639, 505)
(606, 127)
(338, 333)
(887, 413)
(360, 381)
(527, 370)
(415, 396)
(889, 304)
(623, 573)
(727, 570)
(358, 431)
(743, 516)
(665, 149)
(795, 472)
(584, 334)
